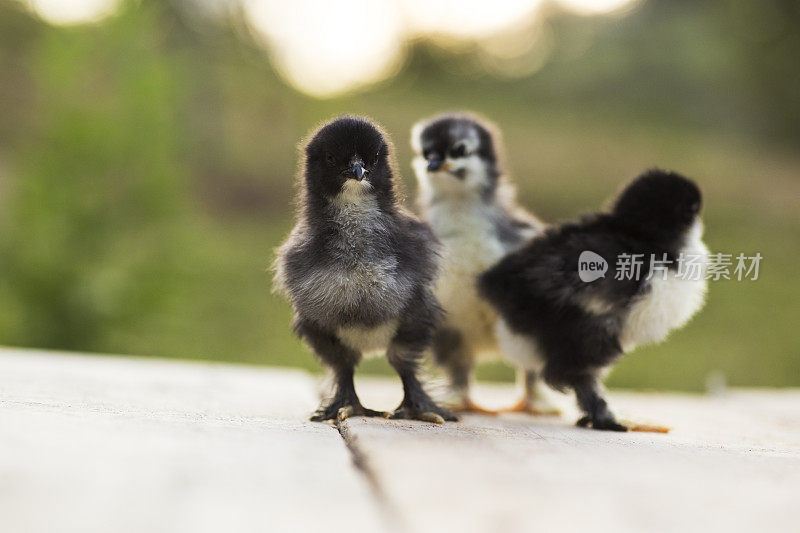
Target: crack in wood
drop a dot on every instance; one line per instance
(388, 510)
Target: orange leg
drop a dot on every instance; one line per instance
(534, 400)
(646, 428)
(524, 405)
(466, 405)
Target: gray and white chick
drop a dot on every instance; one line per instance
(471, 208)
(359, 269)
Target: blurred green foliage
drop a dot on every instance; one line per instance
(147, 169)
(98, 185)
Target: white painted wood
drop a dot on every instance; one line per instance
(730, 463)
(116, 445)
(99, 444)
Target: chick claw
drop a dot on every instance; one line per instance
(431, 417)
(606, 425)
(344, 412)
(425, 416)
(624, 425)
(347, 411)
(428, 416)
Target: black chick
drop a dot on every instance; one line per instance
(573, 329)
(359, 269)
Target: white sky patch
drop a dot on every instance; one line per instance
(594, 7)
(325, 48)
(69, 12)
(466, 18)
(328, 47)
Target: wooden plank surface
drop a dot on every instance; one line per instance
(731, 463)
(97, 444)
(101, 444)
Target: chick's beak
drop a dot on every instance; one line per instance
(357, 171)
(434, 164)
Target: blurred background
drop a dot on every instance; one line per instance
(148, 154)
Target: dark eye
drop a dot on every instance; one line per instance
(458, 150)
(330, 158)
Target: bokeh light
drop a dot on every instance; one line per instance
(465, 18)
(594, 7)
(326, 48)
(68, 12)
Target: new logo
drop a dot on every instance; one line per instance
(591, 266)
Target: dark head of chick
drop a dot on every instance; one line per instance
(456, 153)
(659, 206)
(347, 160)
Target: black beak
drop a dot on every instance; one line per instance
(434, 164)
(357, 171)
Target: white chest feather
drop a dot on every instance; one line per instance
(671, 301)
(469, 247)
(371, 279)
(520, 350)
(370, 341)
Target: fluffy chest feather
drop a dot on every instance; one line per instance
(343, 287)
(469, 247)
(368, 340)
(352, 277)
(670, 302)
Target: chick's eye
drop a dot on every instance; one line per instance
(458, 150)
(330, 158)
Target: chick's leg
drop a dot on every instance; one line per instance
(534, 399)
(344, 403)
(458, 361)
(342, 360)
(598, 415)
(416, 404)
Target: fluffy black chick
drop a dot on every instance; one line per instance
(571, 329)
(359, 269)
